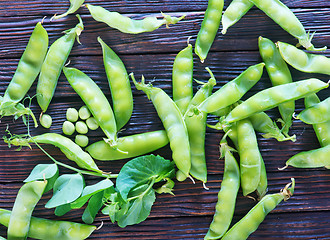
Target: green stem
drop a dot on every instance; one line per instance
(147, 190)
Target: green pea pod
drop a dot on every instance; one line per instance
(50, 229)
(224, 209)
(182, 76)
(55, 59)
(321, 129)
(196, 126)
(311, 159)
(272, 97)
(74, 6)
(121, 92)
(27, 198)
(96, 102)
(319, 113)
(173, 122)
(303, 61)
(131, 146)
(232, 91)
(250, 222)
(209, 28)
(128, 25)
(285, 18)
(234, 12)
(278, 73)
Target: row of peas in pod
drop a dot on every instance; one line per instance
(184, 117)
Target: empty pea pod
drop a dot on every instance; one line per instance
(251, 221)
(319, 113)
(273, 96)
(132, 146)
(41, 228)
(52, 66)
(303, 61)
(182, 77)
(173, 122)
(74, 6)
(234, 12)
(96, 102)
(209, 28)
(27, 198)
(128, 25)
(286, 19)
(120, 87)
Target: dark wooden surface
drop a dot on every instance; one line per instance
(187, 214)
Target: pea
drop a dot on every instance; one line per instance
(72, 115)
(45, 120)
(92, 123)
(81, 140)
(81, 127)
(68, 128)
(84, 113)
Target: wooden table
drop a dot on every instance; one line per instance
(188, 214)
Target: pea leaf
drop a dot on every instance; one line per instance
(141, 170)
(94, 205)
(67, 188)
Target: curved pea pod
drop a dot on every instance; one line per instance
(251, 221)
(55, 59)
(132, 146)
(29, 65)
(74, 6)
(319, 113)
(27, 198)
(286, 19)
(182, 77)
(311, 159)
(272, 97)
(209, 28)
(303, 61)
(278, 73)
(71, 150)
(96, 102)
(173, 122)
(51, 229)
(224, 209)
(234, 12)
(321, 129)
(128, 25)
(120, 87)
(232, 91)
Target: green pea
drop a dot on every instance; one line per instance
(45, 120)
(92, 123)
(81, 127)
(74, 6)
(319, 113)
(84, 113)
(68, 128)
(72, 115)
(81, 140)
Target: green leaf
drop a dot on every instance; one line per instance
(63, 209)
(67, 189)
(89, 191)
(93, 207)
(137, 209)
(166, 188)
(142, 170)
(41, 172)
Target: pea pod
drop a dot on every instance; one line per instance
(303, 61)
(209, 28)
(272, 97)
(96, 102)
(27, 198)
(224, 209)
(321, 129)
(55, 59)
(234, 12)
(74, 6)
(132, 146)
(319, 113)
(285, 18)
(173, 122)
(50, 229)
(250, 222)
(121, 93)
(128, 25)
(278, 73)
